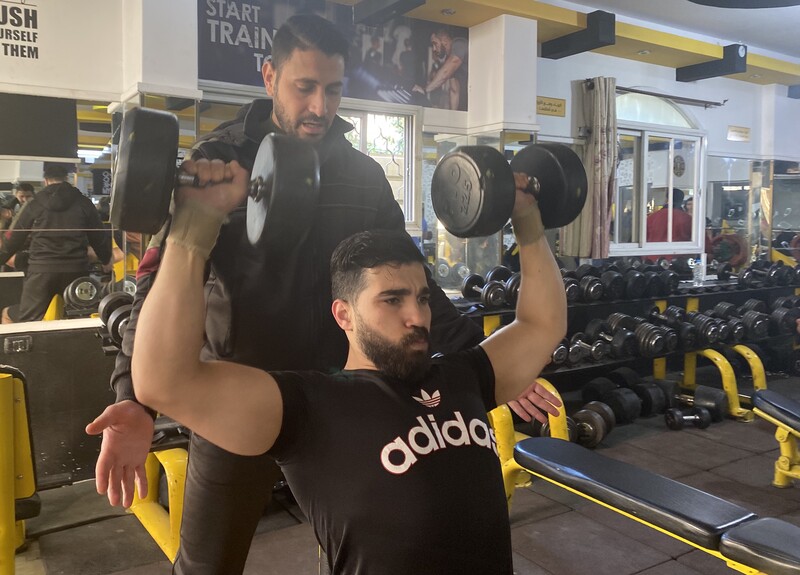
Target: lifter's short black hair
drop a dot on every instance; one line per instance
(366, 250)
(307, 32)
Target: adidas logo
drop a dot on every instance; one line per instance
(430, 436)
(429, 400)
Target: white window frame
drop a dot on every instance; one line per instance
(643, 247)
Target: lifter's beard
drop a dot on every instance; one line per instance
(397, 361)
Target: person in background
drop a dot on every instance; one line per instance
(657, 222)
(61, 224)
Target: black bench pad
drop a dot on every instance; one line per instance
(685, 511)
(27, 508)
(769, 545)
(782, 408)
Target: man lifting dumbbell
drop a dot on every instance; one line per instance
(366, 425)
(251, 287)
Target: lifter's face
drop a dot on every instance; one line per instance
(23, 196)
(306, 92)
(391, 319)
(440, 46)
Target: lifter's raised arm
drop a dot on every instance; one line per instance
(519, 351)
(236, 407)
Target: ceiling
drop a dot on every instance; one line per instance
(670, 33)
(695, 33)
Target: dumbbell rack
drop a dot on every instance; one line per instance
(571, 377)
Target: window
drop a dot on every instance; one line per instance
(659, 170)
(387, 139)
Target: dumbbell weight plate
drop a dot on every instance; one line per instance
(145, 170)
(712, 399)
(652, 397)
(473, 191)
(671, 390)
(493, 295)
(442, 269)
(605, 412)
(572, 429)
(598, 387)
(84, 293)
(512, 289)
(561, 177)
(591, 428)
(117, 322)
(673, 418)
(470, 282)
(625, 403)
(624, 377)
(704, 418)
(110, 303)
(498, 274)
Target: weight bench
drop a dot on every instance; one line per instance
(18, 498)
(168, 450)
(784, 413)
(729, 532)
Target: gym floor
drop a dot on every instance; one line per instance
(554, 532)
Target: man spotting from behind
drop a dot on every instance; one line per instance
(370, 451)
(249, 290)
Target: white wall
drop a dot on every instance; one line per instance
(767, 111)
(78, 51)
(104, 49)
(502, 75)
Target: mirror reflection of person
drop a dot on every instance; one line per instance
(657, 222)
(55, 259)
(449, 72)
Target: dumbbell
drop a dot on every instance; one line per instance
(624, 402)
(783, 320)
(571, 287)
(722, 270)
(590, 428)
(604, 411)
(650, 395)
(786, 301)
(111, 303)
(282, 194)
(776, 274)
(510, 280)
(83, 293)
(677, 419)
(708, 332)
(651, 340)
(634, 281)
(622, 343)
(560, 354)
(595, 351)
(491, 294)
(756, 323)
(710, 398)
(673, 317)
(473, 188)
(612, 281)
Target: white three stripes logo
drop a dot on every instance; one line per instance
(431, 400)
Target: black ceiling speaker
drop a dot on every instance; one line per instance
(734, 61)
(747, 3)
(376, 12)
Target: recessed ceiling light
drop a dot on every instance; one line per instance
(448, 11)
(643, 52)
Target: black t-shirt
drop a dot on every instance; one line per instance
(398, 479)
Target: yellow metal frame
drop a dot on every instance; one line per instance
(162, 525)
(55, 310)
(787, 467)
(17, 479)
(660, 363)
(506, 438)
